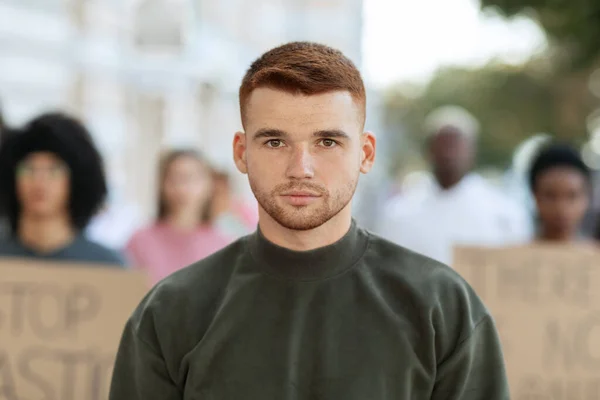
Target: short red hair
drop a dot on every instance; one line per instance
(304, 68)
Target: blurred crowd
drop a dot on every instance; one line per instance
(53, 194)
(53, 203)
(459, 207)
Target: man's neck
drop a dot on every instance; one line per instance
(45, 234)
(324, 235)
(448, 183)
(558, 237)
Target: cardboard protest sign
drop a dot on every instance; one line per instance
(546, 303)
(60, 326)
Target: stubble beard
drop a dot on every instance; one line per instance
(303, 218)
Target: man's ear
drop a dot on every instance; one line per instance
(239, 152)
(367, 159)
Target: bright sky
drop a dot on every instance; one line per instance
(407, 40)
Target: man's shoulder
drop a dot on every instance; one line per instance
(406, 204)
(434, 290)
(389, 256)
(436, 282)
(194, 291)
(208, 275)
(492, 193)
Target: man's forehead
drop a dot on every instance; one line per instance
(451, 132)
(265, 97)
(274, 107)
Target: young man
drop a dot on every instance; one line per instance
(51, 183)
(310, 306)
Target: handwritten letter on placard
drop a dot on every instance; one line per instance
(546, 303)
(60, 328)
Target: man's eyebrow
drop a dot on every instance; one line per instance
(269, 133)
(331, 134)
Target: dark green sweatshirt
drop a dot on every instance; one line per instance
(362, 319)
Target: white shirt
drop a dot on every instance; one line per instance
(431, 220)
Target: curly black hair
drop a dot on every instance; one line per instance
(5, 130)
(557, 155)
(69, 140)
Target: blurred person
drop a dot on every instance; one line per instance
(181, 233)
(229, 215)
(4, 129)
(561, 185)
(459, 207)
(5, 133)
(51, 184)
(310, 305)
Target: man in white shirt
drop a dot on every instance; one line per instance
(459, 207)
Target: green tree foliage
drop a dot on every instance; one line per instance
(511, 104)
(573, 25)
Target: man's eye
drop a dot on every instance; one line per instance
(328, 143)
(274, 143)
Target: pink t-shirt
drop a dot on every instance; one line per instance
(161, 249)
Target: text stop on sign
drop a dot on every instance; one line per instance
(46, 310)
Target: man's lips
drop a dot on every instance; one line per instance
(300, 198)
(300, 194)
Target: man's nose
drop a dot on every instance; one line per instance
(300, 165)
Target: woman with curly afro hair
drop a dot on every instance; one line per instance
(52, 182)
(5, 132)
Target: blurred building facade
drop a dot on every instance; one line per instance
(148, 74)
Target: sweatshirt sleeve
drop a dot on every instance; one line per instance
(475, 369)
(140, 371)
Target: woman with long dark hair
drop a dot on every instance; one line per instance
(181, 233)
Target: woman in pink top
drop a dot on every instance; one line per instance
(181, 234)
(230, 215)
